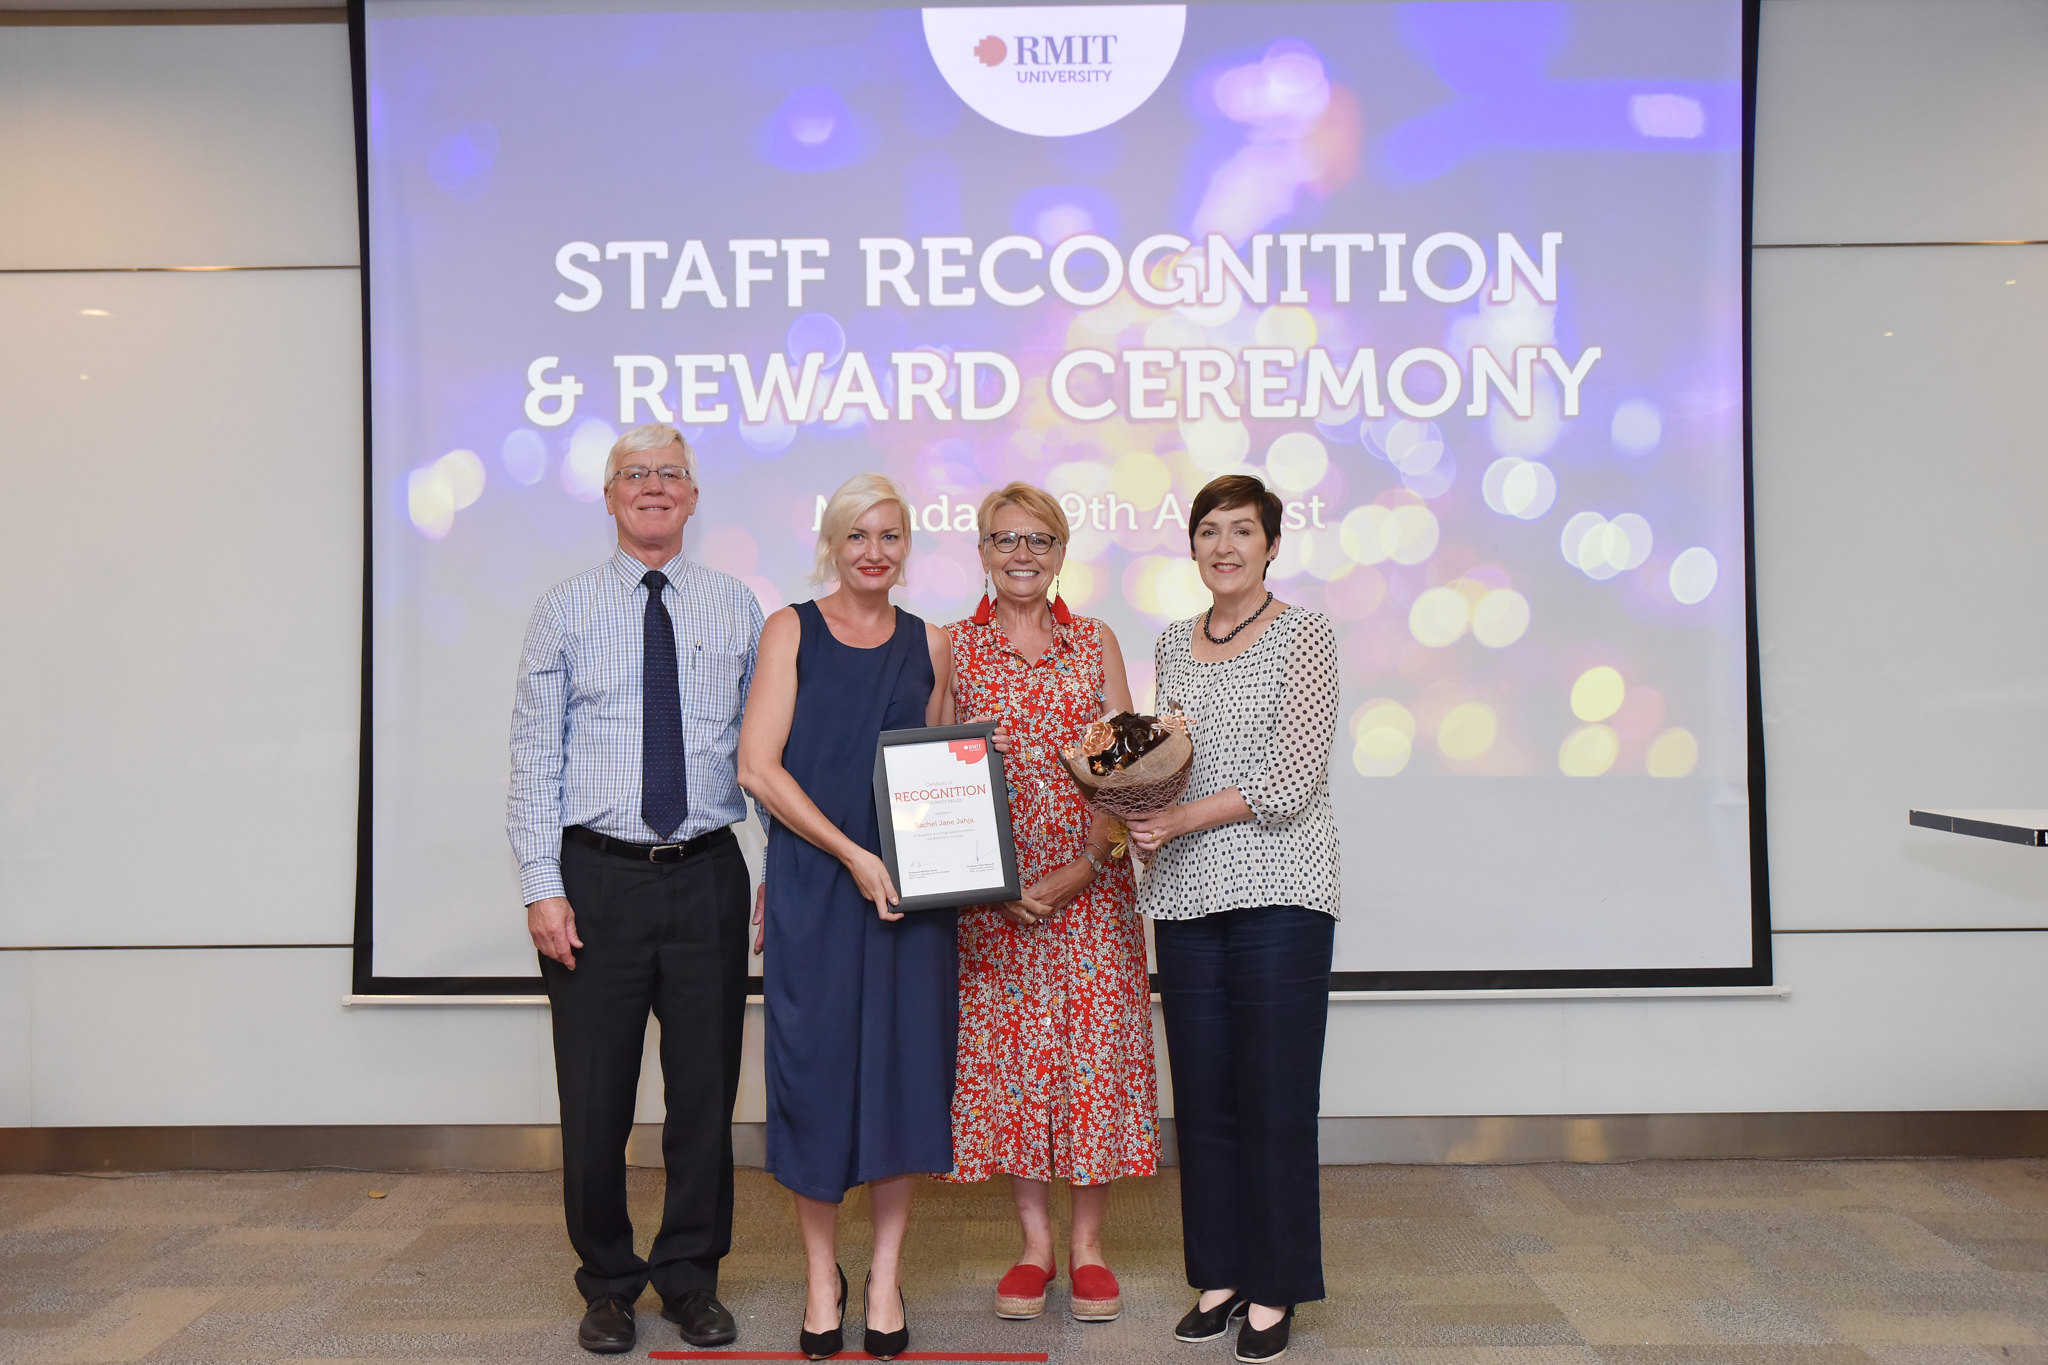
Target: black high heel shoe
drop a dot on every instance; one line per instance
(885, 1345)
(824, 1345)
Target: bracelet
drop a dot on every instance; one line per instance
(1088, 852)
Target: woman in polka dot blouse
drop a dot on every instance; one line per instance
(1242, 885)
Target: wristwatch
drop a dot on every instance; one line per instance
(1088, 852)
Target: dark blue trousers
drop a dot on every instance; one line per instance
(1246, 999)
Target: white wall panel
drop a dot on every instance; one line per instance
(16, 1024)
(181, 545)
(1873, 1022)
(1901, 121)
(1899, 496)
(202, 145)
(261, 1036)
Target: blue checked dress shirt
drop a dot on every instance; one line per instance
(576, 715)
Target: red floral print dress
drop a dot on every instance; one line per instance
(1055, 1078)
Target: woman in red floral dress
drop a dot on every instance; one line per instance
(1055, 1078)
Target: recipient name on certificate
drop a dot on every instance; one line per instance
(944, 811)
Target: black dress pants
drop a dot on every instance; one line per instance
(1246, 995)
(670, 938)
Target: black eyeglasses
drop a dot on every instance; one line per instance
(1006, 542)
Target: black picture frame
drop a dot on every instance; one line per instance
(999, 793)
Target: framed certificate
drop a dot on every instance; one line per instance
(944, 812)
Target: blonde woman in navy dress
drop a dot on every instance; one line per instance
(862, 999)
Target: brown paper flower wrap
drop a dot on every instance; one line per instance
(1150, 784)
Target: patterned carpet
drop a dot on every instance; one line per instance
(1908, 1263)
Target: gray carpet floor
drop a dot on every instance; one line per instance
(1657, 1263)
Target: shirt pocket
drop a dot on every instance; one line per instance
(711, 685)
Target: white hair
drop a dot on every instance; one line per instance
(854, 500)
(648, 436)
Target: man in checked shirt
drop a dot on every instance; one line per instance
(624, 788)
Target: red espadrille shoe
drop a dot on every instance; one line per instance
(1020, 1294)
(1097, 1298)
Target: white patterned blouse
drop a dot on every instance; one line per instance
(1263, 722)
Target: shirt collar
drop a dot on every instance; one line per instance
(1062, 639)
(630, 570)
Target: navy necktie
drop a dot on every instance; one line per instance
(664, 780)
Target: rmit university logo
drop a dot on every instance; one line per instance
(1049, 59)
(1054, 70)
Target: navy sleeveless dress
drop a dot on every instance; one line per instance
(862, 1013)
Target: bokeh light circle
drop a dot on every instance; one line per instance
(1414, 447)
(1600, 548)
(1693, 575)
(820, 332)
(1467, 731)
(1598, 693)
(1286, 325)
(1216, 443)
(1296, 462)
(1411, 534)
(1383, 738)
(464, 473)
(1180, 591)
(1588, 751)
(1528, 490)
(583, 466)
(1500, 618)
(524, 455)
(1407, 534)
(1675, 753)
(1438, 617)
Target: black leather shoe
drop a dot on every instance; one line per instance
(704, 1320)
(1202, 1324)
(887, 1345)
(1255, 1345)
(830, 1342)
(607, 1326)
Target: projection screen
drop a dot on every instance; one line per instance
(1464, 282)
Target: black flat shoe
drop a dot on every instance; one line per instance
(830, 1342)
(704, 1320)
(886, 1345)
(1207, 1324)
(1256, 1345)
(607, 1326)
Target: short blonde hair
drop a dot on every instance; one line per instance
(1033, 499)
(855, 499)
(649, 436)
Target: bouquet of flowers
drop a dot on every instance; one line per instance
(1128, 765)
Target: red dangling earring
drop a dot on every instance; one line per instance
(985, 610)
(1062, 614)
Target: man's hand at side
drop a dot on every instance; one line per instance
(553, 926)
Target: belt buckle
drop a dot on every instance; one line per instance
(666, 853)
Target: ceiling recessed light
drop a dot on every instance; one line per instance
(94, 313)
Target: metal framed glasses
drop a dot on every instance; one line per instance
(637, 475)
(1006, 542)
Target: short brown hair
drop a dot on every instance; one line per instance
(1033, 499)
(1232, 491)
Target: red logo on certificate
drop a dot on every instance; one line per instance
(969, 750)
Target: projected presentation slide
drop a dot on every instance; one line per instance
(1462, 282)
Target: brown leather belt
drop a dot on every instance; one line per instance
(647, 853)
